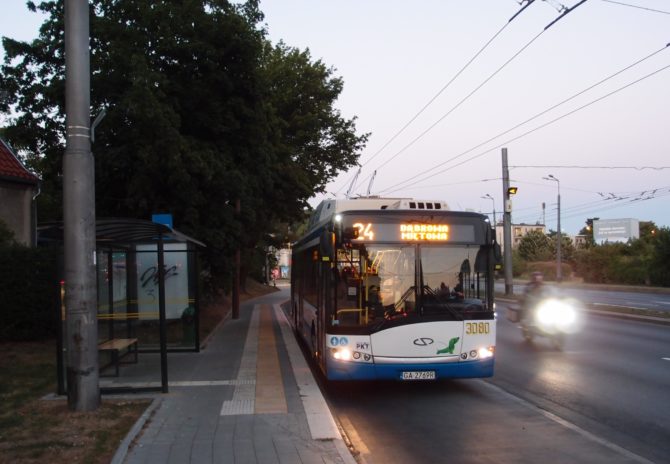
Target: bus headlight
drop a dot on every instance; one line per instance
(342, 354)
(486, 352)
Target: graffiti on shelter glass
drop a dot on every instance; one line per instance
(149, 278)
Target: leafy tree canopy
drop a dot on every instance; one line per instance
(201, 111)
(535, 246)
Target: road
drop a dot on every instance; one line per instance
(603, 399)
(636, 300)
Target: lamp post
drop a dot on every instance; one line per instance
(489, 197)
(559, 275)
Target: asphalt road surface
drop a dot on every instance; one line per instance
(605, 398)
(634, 300)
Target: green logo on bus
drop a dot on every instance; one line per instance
(449, 349)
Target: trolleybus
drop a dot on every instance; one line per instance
(396, 289)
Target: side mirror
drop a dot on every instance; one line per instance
(497, 256)
(346, 236)
(350, 233)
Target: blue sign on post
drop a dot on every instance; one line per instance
(165, 219)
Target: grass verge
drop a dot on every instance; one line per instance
(33, 430)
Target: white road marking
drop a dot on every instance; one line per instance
(569, 425)
(177, 383)
(665, 359)
(617, 306)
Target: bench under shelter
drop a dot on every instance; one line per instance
(141, 317)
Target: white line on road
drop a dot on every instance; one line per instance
(569, 425)
(618, 306)
(665, 359)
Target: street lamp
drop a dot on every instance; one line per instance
(559, 275)
(489, 197)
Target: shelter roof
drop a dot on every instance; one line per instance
(11, 168)
(120, 231)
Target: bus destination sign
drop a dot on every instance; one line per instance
(424, 232)
(404, 232)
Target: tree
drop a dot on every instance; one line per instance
(535, 246)
(201, 112)
(587, 231)
(567, 247)
(660, 264)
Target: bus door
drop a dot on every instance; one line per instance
(325, 308)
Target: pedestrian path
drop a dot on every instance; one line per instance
(249, 398)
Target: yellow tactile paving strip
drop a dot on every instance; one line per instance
(270, 397)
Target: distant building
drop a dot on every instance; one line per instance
(581, 241)
(18, 189)
(615, 230)
(518, 232)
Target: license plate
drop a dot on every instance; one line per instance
(418, 375)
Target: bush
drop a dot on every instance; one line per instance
(28, 292)
(519, 265)
(548, 269)
(601, 264)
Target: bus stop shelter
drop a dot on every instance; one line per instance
(148, 300)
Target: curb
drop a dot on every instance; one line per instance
(320, 418)
(124, 446)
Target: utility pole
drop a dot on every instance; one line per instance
(489, 197)
(559, 273)
(559, 270)
(236, 271)
(507, 227)
(83, 387)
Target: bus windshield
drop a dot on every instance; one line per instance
(378, 282)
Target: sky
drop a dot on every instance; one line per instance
(608, 144)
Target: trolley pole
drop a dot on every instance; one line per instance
(83, 388)
(507, 227)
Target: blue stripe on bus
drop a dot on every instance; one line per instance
(367, 371)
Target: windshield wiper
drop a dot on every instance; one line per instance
(404, 296)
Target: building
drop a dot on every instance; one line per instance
(582, 241)
(18, 189)
(518, 232)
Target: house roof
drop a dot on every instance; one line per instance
(11, 168)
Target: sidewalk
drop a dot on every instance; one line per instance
(247, 397)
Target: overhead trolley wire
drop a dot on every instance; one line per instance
(637, 6)
(479, 86)
(637, 168)
(453, 108)
(612, 202)
(404, 184)
(474, 57)
(481, 50)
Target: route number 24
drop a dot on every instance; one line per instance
(365, 231)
